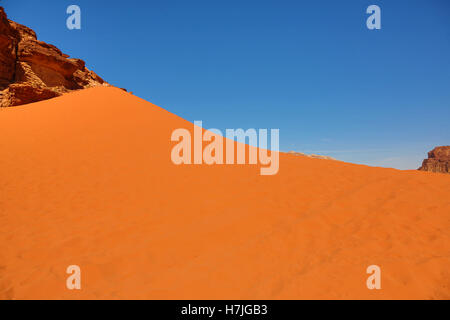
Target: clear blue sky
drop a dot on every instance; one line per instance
(310, 68)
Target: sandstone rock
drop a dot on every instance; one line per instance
(32, 70)
(8, 50)
(438, 160)
(17, 94)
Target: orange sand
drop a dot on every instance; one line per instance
(87, 179)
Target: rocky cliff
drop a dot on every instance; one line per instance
(438, 160)
(32, 70)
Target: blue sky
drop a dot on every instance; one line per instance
(310, 68)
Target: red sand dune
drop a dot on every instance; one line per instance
(87, 179)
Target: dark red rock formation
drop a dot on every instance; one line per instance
(32, 70)
(438, 160)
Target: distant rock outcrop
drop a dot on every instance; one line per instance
(32, 70)
(316, 156)
(438, 160)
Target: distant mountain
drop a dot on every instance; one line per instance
(316, 156)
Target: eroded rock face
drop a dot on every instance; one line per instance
(32, 70)
(8, 51)
(438, 160)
